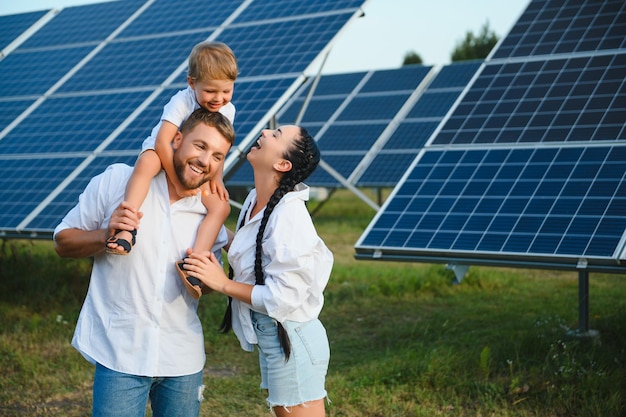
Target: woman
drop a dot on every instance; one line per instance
(280, 267)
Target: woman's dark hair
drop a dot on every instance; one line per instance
(304, 156)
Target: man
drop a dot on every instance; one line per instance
(138, 323)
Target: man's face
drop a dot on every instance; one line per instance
(199, 155)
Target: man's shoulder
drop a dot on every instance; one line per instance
(118, 169)
(114, 174)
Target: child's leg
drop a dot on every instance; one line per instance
(148, 165)
(217, 212)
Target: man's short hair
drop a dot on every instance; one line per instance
(216, 120)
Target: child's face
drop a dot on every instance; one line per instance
(213, 94)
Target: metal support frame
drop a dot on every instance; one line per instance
(583, 299)
(583, 307)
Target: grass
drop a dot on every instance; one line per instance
(405, 341)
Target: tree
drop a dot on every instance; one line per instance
(475, 47)
(411, 57)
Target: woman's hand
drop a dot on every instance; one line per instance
(207, 269)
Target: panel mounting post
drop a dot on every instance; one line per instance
(583, 307)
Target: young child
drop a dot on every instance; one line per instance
(211, 77)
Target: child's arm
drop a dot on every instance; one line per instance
(163, 148)
(217, 212)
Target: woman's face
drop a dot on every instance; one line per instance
(271, 146)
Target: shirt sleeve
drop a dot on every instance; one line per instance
(297, 267)
(180, 106)
(93, 209)
(177, 109)
(229, 111)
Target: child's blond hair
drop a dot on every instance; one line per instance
(212, 61)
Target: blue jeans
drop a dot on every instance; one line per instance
(116, 394)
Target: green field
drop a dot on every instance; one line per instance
(405, 341)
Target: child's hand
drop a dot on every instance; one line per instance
(217, 187)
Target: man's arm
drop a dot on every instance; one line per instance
(76, 243)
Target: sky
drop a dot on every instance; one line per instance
(389, 29)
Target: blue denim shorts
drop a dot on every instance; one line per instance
(302, 378)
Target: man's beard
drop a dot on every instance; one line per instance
(180, 168)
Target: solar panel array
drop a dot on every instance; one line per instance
(84, 89)
(529, 168)
(371, 125)
(14, 25)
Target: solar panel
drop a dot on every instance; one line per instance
(552, 203)
(574, 26)
(46, 66)
(392, 158)
(529, 166)
(14, 25)
(178, 16)
(347, 114)
(104, 72)
(580, 98)
(77, 123)
(69, 28)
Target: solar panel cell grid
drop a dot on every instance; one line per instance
(290, 44)
(121, 71)
(134, 63)
(549, 105)
(406, 78)
(9, 110)
(419, 123)
(133, 136)
(25, 182)
(50, 215)
(337, 84)
(14, 25)
(344, 164)
(546, 208)
(178, 16)
(253, 98)
(350, 137)
(318, 110)
(69, 27)
(554, 27)
(46, 67)
(373, 107)
(275, 9)
(411, 136)
(71, 124)
(434, 104)
(386, 168)
(455, 75)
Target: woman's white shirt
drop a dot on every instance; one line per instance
(295, 260)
